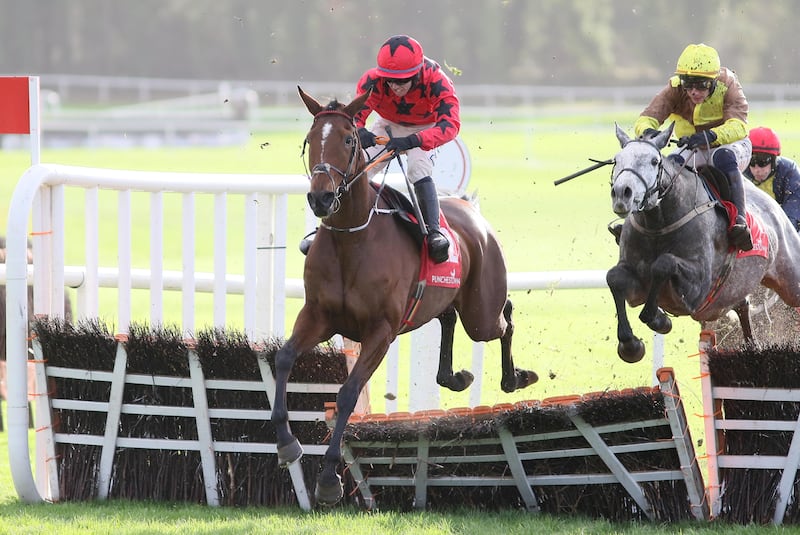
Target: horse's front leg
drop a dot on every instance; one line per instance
(621, 280)
(662, 270)
(373, 348)
(307, 333)
(456, 382)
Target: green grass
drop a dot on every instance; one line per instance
(120, 517)
(567, 336)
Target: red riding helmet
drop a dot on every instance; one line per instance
(400, 57)
(765, 140)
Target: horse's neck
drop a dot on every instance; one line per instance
(683, 194)
(687, 188)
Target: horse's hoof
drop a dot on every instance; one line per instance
(521, 379)
(329, 495)
(661, 324)
(458, 382)
(631, 351)
(289, 453)
(525, 378)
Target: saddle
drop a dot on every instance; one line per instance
(716, 181)
(404, 210)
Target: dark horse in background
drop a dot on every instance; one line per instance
(361, 273)
(674, 254)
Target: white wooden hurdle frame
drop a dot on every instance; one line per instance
(41, 192)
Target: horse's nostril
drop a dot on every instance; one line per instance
(320, 202)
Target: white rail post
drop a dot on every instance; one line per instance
(156, 258)
(124, 261)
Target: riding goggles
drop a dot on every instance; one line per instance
(761, 160)
(696, 82)
(400, 81)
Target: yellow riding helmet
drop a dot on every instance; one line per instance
(698, 60)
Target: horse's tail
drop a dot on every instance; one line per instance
(472, 198)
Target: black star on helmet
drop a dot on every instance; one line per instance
(397, 41)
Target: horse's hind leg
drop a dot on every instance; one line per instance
(445, 376)
(513, 378)
(743, 311)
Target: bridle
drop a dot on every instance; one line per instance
(326, 168)
(659, 188)
(348, 178)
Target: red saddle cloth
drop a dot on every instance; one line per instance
(448, 273)
(445, 275)
(759, 238)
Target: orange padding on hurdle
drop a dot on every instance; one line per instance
(484, 411)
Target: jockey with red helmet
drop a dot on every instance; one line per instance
(773, 173)
(413, 97)
(708, 106)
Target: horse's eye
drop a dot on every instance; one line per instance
(654, 161)
(349, 140)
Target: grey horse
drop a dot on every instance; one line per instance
(674, 252)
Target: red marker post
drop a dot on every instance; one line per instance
(19, 110)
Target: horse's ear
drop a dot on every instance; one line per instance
(312, 105)
(662, 139)
(622, 136)
(356, 105)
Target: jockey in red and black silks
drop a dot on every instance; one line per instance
(417, 107)
(431, 100)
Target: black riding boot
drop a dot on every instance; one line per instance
(429, 205)
(739, 234)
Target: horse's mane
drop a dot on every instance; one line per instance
(334, 105)
(672, 165)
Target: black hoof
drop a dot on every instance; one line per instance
(329, 495)
(289, 453)
(458, 382)
(522, 379)
(662, 324)
(632, 351)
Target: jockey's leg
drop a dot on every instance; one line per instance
(429, 205)
(725, 161)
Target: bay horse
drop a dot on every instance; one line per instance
(361, 273)
(674, 253)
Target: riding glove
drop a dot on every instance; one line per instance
(700, 139)
(650, 133)
(366, 137)
(400, 144)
